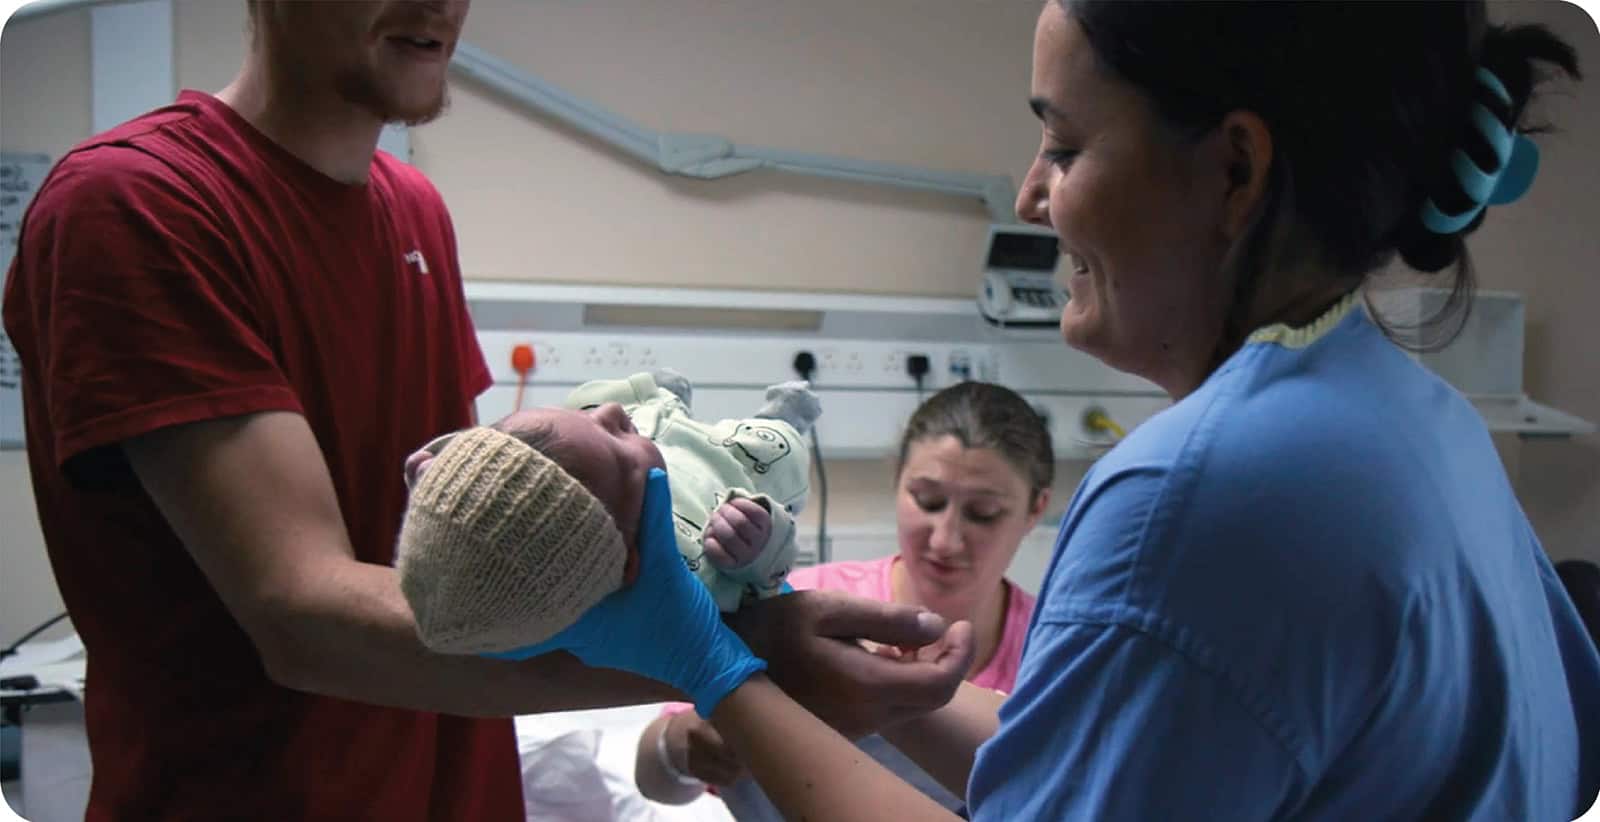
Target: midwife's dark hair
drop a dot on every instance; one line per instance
(1366, 101)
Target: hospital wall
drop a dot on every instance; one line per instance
(938, 83)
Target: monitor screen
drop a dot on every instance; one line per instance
(1036, 252)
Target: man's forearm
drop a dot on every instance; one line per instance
(944, 742)
(350, 634)
(253, 502)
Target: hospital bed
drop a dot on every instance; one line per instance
(577, 766)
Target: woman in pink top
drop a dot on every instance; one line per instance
(973, 478)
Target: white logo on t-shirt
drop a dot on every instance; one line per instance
(414, 256)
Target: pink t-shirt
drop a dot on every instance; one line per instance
(871, 579)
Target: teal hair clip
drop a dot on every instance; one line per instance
(1516, 163)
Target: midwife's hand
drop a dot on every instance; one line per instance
(810, 641)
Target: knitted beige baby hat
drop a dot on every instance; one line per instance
(501, 548)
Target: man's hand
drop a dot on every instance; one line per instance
(810, 641)
(737, 532)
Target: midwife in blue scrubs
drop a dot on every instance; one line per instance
(1306, 590)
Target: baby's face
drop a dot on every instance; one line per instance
(600, 448)
(597, 446)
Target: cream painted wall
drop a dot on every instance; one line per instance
(937, 83)
(940, 85)
(1547, 247)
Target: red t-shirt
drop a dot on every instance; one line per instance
(183, 267)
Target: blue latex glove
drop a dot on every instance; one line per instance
(665, 626)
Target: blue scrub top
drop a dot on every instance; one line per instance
(1304, 591)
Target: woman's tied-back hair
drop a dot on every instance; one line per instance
(985, 415)
(1366, 103)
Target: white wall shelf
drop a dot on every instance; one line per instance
(861, 343)
(1484, 361)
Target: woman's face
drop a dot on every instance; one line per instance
(1138, 210)
(961, 513)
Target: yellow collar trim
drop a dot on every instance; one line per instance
(1305, 335)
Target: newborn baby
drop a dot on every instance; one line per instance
(515, 529)
(738, 479)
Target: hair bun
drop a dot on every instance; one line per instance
(1428, 252)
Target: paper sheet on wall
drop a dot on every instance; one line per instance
(20, 175)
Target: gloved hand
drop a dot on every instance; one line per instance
(664, 626)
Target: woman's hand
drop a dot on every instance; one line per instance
(679, 755)
(737, 532)
(695, 748)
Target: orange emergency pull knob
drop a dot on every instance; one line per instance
(522, 361)
(522, 358)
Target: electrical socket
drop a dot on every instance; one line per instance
(896, 363)
(623, 356)
(918, 366)
(834, 361)
(805, 365)
(960, 365)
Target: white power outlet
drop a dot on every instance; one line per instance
(827, 363)
(960, 365)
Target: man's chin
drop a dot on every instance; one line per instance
(409, 112)
(427, 113)
(411, 119)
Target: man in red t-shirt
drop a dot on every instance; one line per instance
(236, 320)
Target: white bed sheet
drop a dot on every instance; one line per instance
(577, 766)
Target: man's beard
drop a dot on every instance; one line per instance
(356, 86)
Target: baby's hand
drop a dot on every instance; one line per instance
(738, 530)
